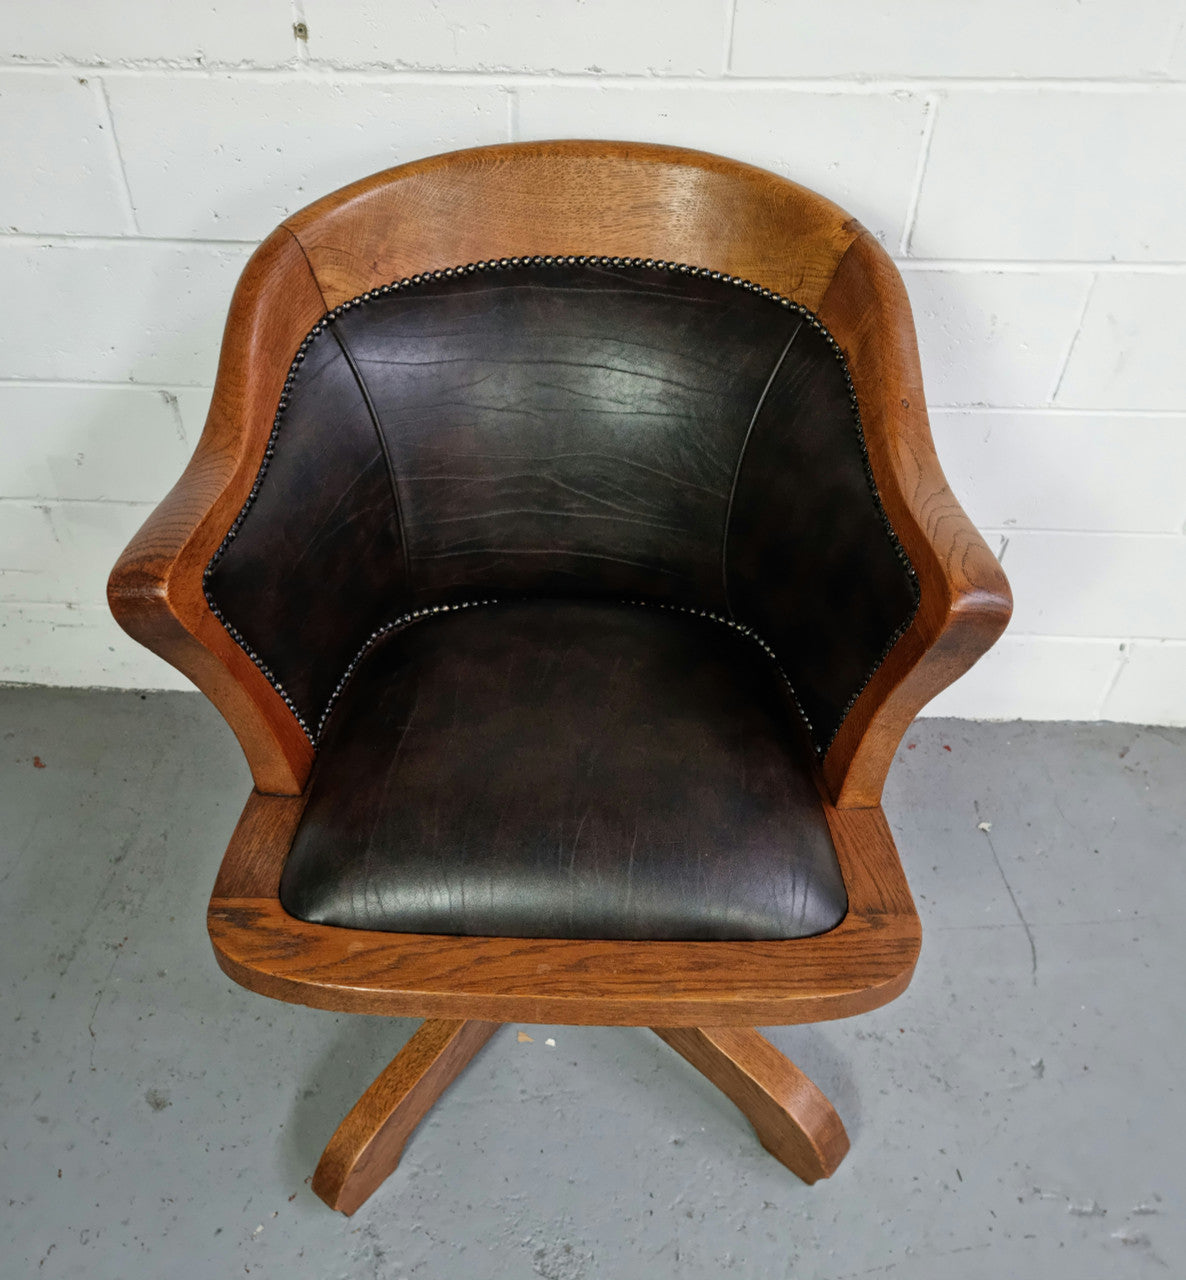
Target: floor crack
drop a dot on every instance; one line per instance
(1013, 899)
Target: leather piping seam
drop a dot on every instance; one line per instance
(364, 391)
(548, 260)
(412, 616)
(749, 431)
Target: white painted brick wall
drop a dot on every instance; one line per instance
(97, 442)
(988, 190)
(228, 158)
(952, 39)
(994, 337)
(610, 37)
(101, 32)
(1012, 469)
(62, 176)
(1129, 352)
(119, 310)
(1022, 161)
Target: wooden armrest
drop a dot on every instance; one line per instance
(966, 601)
(155, 589)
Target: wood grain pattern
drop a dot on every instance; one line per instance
(966, 602)
(155, 590)
(863, 963)
(367, 1145)
(792, 1118)
(267, 823)
(628, 199)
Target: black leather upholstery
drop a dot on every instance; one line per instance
(566, 438)
(318, 564)
(811, 564)
(566, 769)
(569, 430)
(566, 431)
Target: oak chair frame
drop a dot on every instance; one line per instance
(557, 198)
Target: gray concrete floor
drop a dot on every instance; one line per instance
(1017, 1113)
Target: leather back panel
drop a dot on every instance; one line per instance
(576, 429)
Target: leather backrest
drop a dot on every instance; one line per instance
(566, 427)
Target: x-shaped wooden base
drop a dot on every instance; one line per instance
(793, 1119)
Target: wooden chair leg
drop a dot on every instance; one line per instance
(368, 1144)
(793, 1119)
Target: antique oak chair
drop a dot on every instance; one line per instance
(567, 549)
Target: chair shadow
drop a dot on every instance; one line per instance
(638, 1053)
(333, 1081)
(816, 1054)
(362, 1045)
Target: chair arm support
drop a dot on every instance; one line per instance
(155, 590)
(965, 597)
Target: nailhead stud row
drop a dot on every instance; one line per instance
(406, 619)
(389, 628)
(430, 611)
(741, 629)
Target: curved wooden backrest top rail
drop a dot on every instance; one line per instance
(863, 963)
(612, 198)
(620, 199)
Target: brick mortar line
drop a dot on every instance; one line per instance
(730, 16)
(55, 240)
(318, 69)
(1103, 639)
(1021, 266)
(1051, 410)
(920, 172)
(103, 384)
(1123, 658)
(1069, 352)
(115, 155)
(956, 266)
(25, 500)
(1012, 531)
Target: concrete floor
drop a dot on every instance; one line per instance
(1017, 1113)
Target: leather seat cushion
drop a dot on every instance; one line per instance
(567, 769)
